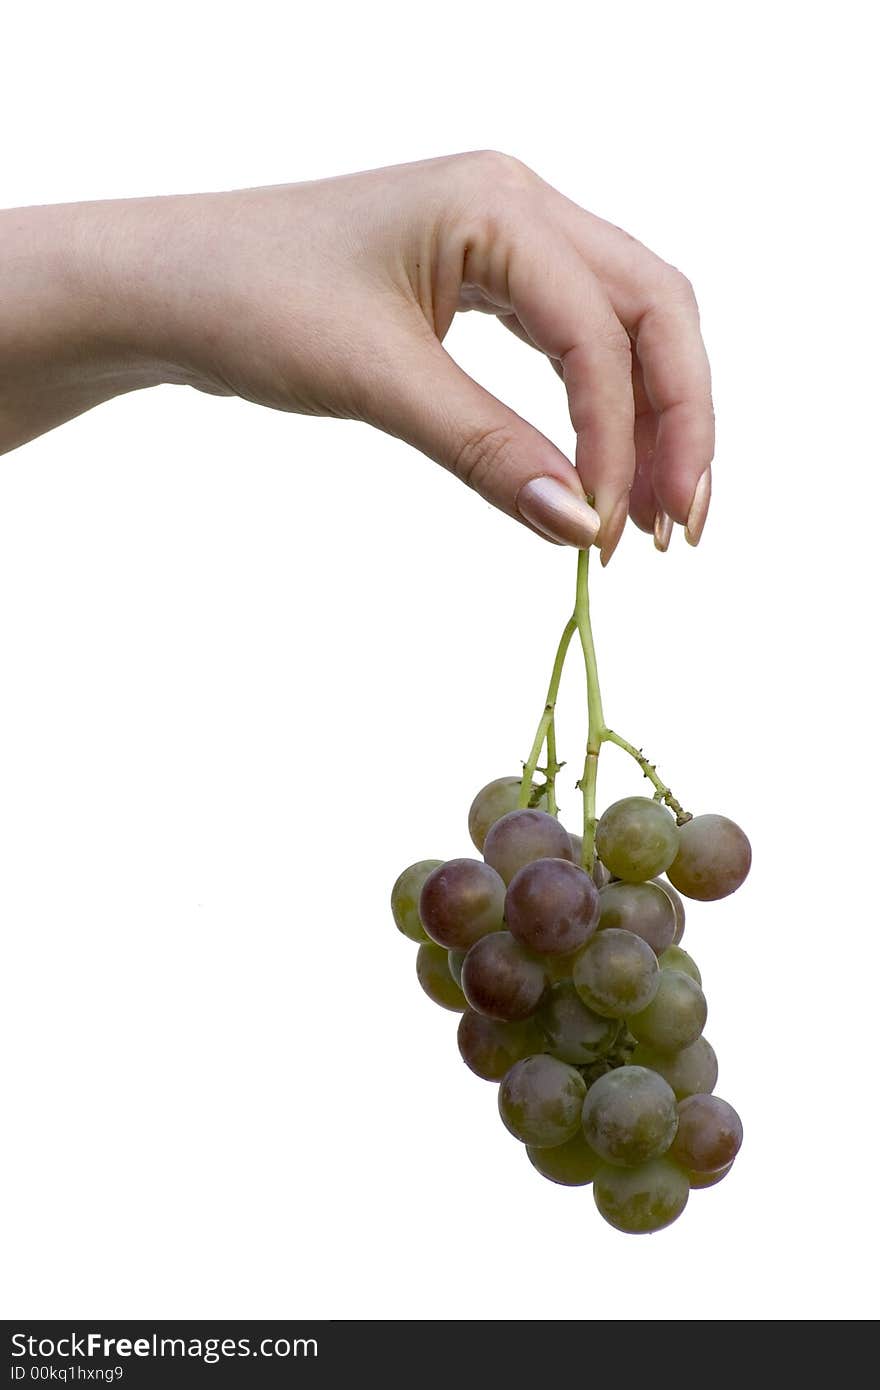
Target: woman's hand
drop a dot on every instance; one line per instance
(333, 298)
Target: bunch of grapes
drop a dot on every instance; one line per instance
(576, 995)
(563, 955)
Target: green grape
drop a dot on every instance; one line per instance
(677, 904)
(492, 802)
(674, 958)
(709, 1134)
(572, 1032)
(405, 898)
(689, 1072)
(675, 1016)
(501, 979)
(552, 907)
(709, 1179)
(540, 1100)
(521, 836)
(641, 1200)
(432, 968)
(636, 839)
(490, 1047)
(642, 908)
(714, 857)
(571, 1164)
(461, 901)
(456, 961)
(616, 973)
(630, 1116)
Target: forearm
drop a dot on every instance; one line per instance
(81, 313)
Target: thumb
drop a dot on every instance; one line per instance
(427, 400)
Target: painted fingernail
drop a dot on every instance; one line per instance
(558, 512)
(662, 531)
(699, 507)
(613, 529)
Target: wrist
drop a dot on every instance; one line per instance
(123, 265)
(65, 343)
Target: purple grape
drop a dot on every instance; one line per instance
(552, 907)
(709, 1134)
(490, 1047)
(642, 908)
(460, 902)
(521, 836)
(500, 978)
(714, 857)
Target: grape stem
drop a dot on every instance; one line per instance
(597, 730)
(546, 731)
(662, 792)
(595, 717)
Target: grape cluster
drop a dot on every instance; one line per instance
(576, 996)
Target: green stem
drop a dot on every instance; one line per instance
(650, 770)
(552, 768)
(597, 730)
(547, 729)
(596, 719)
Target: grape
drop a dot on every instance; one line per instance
(541, 1099)
(675, 1016)
(616, 973)
(677, 904)
(559, 967)
(573, 1032)
(630, 1116)
(709, 1134)
(709, 1179)
(636, 838)
(492, 802)
(432, 968)
(571, 1164)
(642, 908)
(552, 906)
(713, 859)
(490, 1047)
(456, 961)
(405, 898)
(694, 1069)
(521, 836)
(500, 978)
(674, 958)
(461, 901)
(601, 876)
(641, 1200)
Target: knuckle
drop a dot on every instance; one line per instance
(501, 171)
(680, 287)
(482, 455)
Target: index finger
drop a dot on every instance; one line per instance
(566, 312)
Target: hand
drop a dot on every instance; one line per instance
(333, 298)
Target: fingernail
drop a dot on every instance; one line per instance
(558, 512)
(662, 531)
(699, 507)
(613, 530)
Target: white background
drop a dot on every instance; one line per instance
(232, 709)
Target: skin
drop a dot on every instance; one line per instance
(333, 298)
